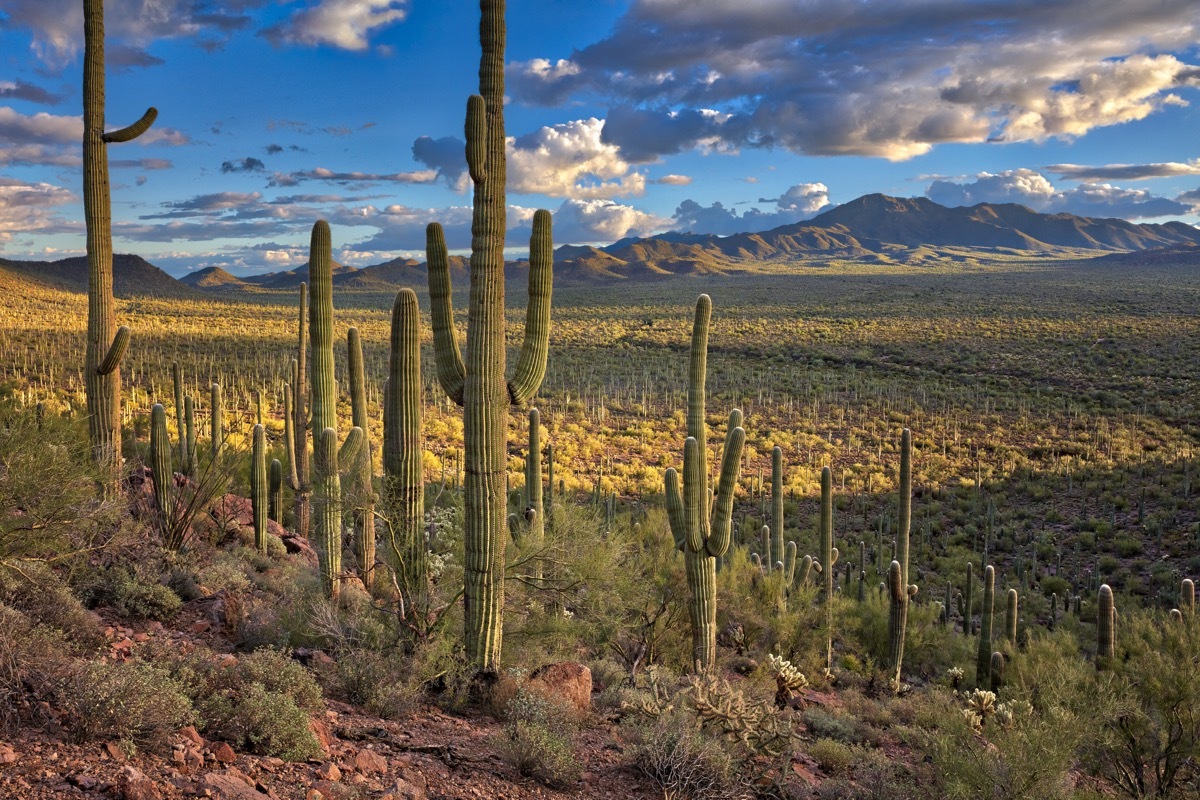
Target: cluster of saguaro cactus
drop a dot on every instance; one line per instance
(479, 385)
(900, 591)
(360, 487)
(403, 451)
(703, 537)
(983, 662)
(106, 343)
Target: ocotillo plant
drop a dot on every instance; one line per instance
(900, 591)
(403, 452)
(106, 344)
(702, 538)
(829, 557)
(983, 662)
(360, 473)
(479, 385)
(1106, 624)
(775, 543)
(258, 487)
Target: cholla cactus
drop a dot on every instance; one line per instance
(755, 724)
(788, 679)
(955, 677)
(982, 703)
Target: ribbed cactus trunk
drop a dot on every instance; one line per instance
(216, 413)
(403, 453)
(300, 475)
(1187, 597)
(258, 487)
(161, 472)
(106, 343)
(1106, 624)
(703, 538)
(900, 591)
(1010, 618)
(479, 385)
(275, 497)
(983, 661)
(776, 541)
(829, 557)
(327, 490)
(535, 515)
(360, 474)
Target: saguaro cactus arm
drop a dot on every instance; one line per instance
(451, 372)
(131, 132)
(116, 351)
(531, 366)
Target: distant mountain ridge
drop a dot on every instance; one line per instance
(874, 228)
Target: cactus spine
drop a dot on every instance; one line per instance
(479, 385)
(403, 451)
(258, 487)
(829, 557)
(1106, 623)
(900, 591)
(160, 467)
(360, 474)
(1010, 618)
(775, 543)
(702, 538)
(983, 662)
(327, 489)
(106, 343)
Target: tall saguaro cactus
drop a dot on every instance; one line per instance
(829, 557)
(360, 474)
(403, 451)
(479, 385)
(983, 661)
(535, 514)
(703, 538)
(775, 543)
(106, 343)
(1106, 623)
(900, 591)
(296, 422)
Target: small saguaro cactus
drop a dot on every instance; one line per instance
(968, 600)
(1010, 618)
(403, 452)
(1106, 623)
(106, 343)
(177, 385)
(775, 553)
(900, 591)
(703, 538)
(1187, 597)
(479, 385)
(217, 418)
(258, 487)
(983, 663)
(161, 472)
(829, 557)
(996, 671)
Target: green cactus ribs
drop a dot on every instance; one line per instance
(900, 591)
(703, 538)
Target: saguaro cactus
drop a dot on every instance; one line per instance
(106, 343)
(829, 557)
(360, 473)
(1187, 599)
(275, 506)
(1106, 624)
(775, 543)
(479, 385)
(983, 662)
(161, 472)
(258, 487)
(296, 424)
(216, 413)
(534, 511)
(703, 538)
(899, 589)
(1010, 618)
(403, 451)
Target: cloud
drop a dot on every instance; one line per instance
(39, 128)
(447, 155)
(1124, 172)
(886, 78)
(602, 221)
(800, 202)
(673, 180)
(1030, 188)
(124, 58)
(338, 23)
(351, 178)
(570, 160)
(20, 90)
(141, 163)
(26, 155)
(28, 207)
(247, 164)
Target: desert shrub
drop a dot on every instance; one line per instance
(686, 762)
(841, 728)
(539, 739)
(32, 656)
(131, 701)
(832, 757)
(375, 681)
(148, 601)
(35, 590)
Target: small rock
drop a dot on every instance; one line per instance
(370, 761)
(7, 755)
(408, 789)
(115, 751)
(320, 731)
(191, 735)
(329, 772)
(230, 785)
(134, 785)
(224, 753)
(200, 626)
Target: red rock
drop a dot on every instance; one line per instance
(229, 785)
(200, 626)
(321, 732)
(224, 753)
(134, 785)
(7, 755)
(403, 789)
(192, 735)
(369, 761)
(329, 772)
(569, 683)
(114, 750)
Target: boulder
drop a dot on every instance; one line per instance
(569, 683)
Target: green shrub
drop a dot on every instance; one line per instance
(32, 588)
(832, 757)
(539, 739)
(686, 762)
(148, 601)
(823, 724)
(130, 701)
(374, 681)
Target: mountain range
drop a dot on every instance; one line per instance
(874, 228)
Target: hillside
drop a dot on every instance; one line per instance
(214, 279)
(133, 276)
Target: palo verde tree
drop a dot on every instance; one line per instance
(479, 385)
(106, 344)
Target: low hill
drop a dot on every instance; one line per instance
(133, 276)
(214, 279)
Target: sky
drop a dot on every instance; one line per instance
(625, 117)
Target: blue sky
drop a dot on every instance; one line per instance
(627, 117)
